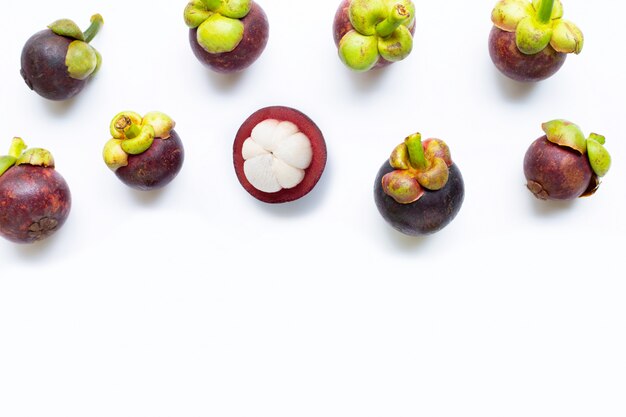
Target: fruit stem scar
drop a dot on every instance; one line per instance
(94, 28)
(397, 16)
(416, 151)
(544, 11)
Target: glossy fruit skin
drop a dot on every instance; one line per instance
(255, 37)
(312, 174)
(44, 69)
(518, 66)
(555, 172)
(156, 167)
(342, 25)
(34, 203)
(431, 213)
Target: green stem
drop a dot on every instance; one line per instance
(416, 151)
(212, 4)
(132, 131)
(397, 16)
(94, 28)
(544, 14)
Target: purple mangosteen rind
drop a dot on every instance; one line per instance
(563, 164)
(373, 33)
(530, 39)
(145, 152)
(226, 36)
(57, 62)
(312, 174)
(35, 200)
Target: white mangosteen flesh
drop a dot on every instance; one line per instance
(276, 155)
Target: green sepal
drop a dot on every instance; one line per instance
(17, 147)
(122, 122)
(531, 36)
(66, 27)
(435, 177)
(160, 122)
(114, 156)
(81, 60)
(6, 162)
(565, 133)
(397, 46)
(140, 143)
(220, 34)
(195, 13)
(567, 37)
(402, 186)
(399, 158)
(599, 157)
(235, 9)
(366, 14)
(508, 13)
(36, 157)
(359, 52)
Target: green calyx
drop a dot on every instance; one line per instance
(538, 24)
(133, 135)
(419, 165)
(82, 60)
(381, 29)
(19, 154)
(218, 22)
(565, 133)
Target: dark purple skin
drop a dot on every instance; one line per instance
(431, 213)
(34, 203)
(518, 66)
(44, 69)
(156, 167)
(342, 25)
(555, 172)
(255, 36)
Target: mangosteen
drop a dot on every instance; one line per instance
(34, 198)
(57, 62)
(279, 154)
(419, 190)
(530, 39)
(373, 33)
(145, 152)
(226, 35)
(563, 165)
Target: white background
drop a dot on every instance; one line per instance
(198, 300)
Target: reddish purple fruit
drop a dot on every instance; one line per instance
(373, 33)
(34, 198)
(145, 152)
(563, 164)
(419, 190)
(530, 40)
(279, 154)
(226, 36)
(57, 62)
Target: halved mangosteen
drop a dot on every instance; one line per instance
(145, 152)
(279, 154)
(419, 190)
(35, 200)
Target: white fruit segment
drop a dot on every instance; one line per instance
(276, 155)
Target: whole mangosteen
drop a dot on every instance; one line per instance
(145, 152)
(34, 198)
(374, 33)
(530, 39)
(563, 165)
(279, 154)
(57, 62)
(419, 190)
(226, 35)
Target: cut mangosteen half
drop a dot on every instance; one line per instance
(279, 154)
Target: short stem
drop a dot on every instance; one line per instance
(212, 4)
(397, 16)
(17, 147)
(132, 131)
(544, 14)
(94, 28)
(416, 151)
